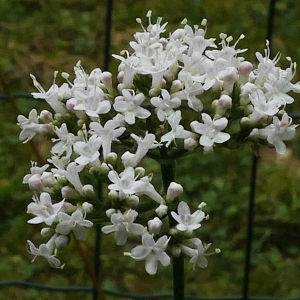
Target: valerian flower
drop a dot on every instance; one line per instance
(123, 224)
(152, 252)
(75, 223)
(187, 221)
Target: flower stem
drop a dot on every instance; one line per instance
(168, 176)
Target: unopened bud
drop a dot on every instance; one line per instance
(46, 116)
(225, 102)
(69, 193)
(46, 232)
(88, 190)
(133, 201)
(174, 190)
(161, 210)
(176, 251)
(154, 225)
(111, 158)
(87, 207)
(190, 144)
(110, 212)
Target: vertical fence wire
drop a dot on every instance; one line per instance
(253, 179)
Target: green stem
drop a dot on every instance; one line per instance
(168, 176)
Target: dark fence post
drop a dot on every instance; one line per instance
(250, 223)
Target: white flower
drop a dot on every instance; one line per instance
(164, 104)
(177, 130)
(152, 252)
(197, 255)
(44, 210)
(108, 133)
(278, 132)
(262, 106)
(88, 151)
(39, 178)
(123, 224)
(75, 223)
(130, 106)
(187, 221)
(65, 141)
(210, 130)
(127, 184)
(46, 250)
(143, 146)
(92, 101)
(30, 127)
(53, 96)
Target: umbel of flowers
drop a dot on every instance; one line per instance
(175, 93)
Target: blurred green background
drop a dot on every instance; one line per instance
(41, 36)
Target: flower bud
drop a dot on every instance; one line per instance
(69, 193)
(162, 210)
(46, 232)
(176, 251)
(225, 102)
(174, 190)
(128, 159)
(110, 212)
(35, 183)
(154, 225)
(46, 116)
(133, 201)
(87, 207)
(88, 191)
(190, 144)
(176, 86)
(113, 195)
(139, 172)
(111, 158)
(104, 169)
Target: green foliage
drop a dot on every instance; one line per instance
(40, 36)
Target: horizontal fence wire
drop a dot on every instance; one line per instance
(88, 289)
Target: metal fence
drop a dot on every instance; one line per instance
(251, 205)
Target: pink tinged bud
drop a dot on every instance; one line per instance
(46, 116)
(174, 190)
(225, 102)
(35, 183)
(154, 225)
(162, 210)
(69, 193)
(107, 80)
(71, 103)
(190, 144)
(245, 68)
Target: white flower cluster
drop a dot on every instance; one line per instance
(101, 133)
